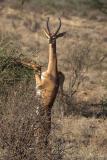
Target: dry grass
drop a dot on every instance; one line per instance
(22, 131)
(83, 51)
(84, 138)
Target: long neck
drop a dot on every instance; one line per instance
(52, 64)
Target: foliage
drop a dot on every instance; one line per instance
(22, 131)
(11, 71)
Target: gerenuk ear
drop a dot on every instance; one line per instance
(47, 30)
(60, 35)
(46, 33)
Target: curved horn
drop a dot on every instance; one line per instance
(58, 27)
(48, 28)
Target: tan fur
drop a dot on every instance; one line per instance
(48, 82)
(48, 87)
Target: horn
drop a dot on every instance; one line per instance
(58, 27)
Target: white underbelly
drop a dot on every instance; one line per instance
(43, 75)
(38, 90)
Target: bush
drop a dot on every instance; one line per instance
(23, 133)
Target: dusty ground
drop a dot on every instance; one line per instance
(82, 138)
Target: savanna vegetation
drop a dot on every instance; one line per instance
(79, 119)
